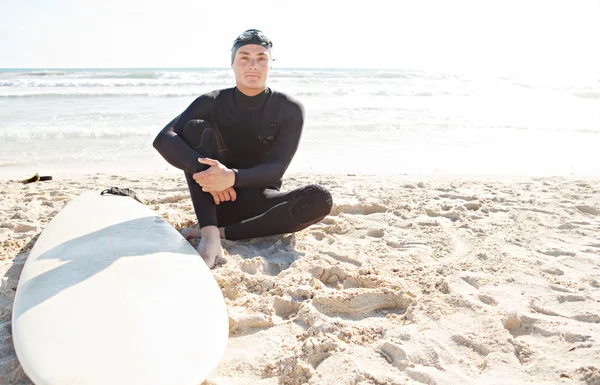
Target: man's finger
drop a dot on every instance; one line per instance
(209, 161)
(216, 198)
(223, 196)
(226, 195)
(202, 174)
(201, 177)
(203, 181)
(233, 194)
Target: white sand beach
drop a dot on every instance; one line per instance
(409, 280)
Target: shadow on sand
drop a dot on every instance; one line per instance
(87, 255)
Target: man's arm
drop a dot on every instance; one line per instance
(173, 148)
(280, 156)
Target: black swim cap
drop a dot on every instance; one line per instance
(251, 36)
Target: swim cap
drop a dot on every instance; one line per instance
(251, 36)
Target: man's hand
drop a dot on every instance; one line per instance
(217, 178)
(224, 196)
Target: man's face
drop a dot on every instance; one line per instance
(251, 68)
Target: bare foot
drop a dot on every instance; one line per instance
(210, 245)
(190, 232)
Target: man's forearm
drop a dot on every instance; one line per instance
(259, 176)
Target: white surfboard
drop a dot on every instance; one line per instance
(112, 294)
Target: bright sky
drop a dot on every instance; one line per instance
(534, 35)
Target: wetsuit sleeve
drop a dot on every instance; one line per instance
(173, 148)
(280, 156)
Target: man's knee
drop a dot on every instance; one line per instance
(198, 134)
(315, 203)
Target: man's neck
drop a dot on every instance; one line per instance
(250, 91)
(249, 102)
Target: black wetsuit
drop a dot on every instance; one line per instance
(257, 138)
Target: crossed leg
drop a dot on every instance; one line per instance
(257, 212)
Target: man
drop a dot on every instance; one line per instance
(234, 145)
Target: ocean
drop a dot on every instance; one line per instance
(357, 120)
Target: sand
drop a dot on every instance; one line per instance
(410, 280)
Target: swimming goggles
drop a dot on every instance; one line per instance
(251, 34)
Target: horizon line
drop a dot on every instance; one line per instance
(225, 67)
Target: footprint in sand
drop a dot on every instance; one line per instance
(361, 302)
(329, 276)
(286, 308)
(523, 351)
(454, 215)
(329, 221)
(378, 233)
(570, 298)
(521, 324)
(587, 209)
(322, 235)
(554, 271)
(416, 246)
(172, 198)
(25, 228)
(487, 299)
(567, 226)
(557, 253)
(473, 206)
(315, 349)
(276, 263)
(299, 366)
(356, 207)
(475, 279)
(471, 343)
(253, 266)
